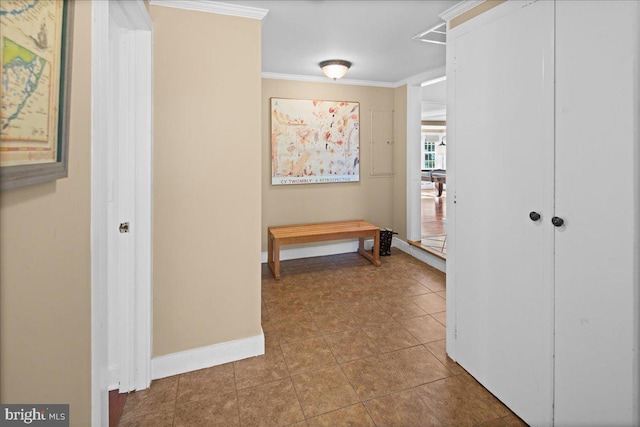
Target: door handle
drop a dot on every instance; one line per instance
(557, 221)
(534, 216)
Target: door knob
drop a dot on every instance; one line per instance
(557, 221)
(535, 216)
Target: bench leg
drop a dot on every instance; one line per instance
(375, 258)
(273, 256)
(361, 245)
(376, 249)
(276, 259)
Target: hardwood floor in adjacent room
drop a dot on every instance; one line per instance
(434, 213)
(346, 344)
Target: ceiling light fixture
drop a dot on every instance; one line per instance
(335, 68)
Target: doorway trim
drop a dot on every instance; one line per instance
(414, 121)
(134, 18)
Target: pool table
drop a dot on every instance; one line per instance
(438, 177)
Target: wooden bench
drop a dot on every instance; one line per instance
(305, 233)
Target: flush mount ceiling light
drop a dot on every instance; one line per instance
(335, 68)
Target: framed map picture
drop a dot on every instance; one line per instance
(314, 141)
(35, 73)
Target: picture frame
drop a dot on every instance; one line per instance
(314, 141)
(22, 161)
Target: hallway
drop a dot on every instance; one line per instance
(346, 344)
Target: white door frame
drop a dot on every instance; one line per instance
(414, 169)
(134, 19)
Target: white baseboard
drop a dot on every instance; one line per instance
(319, 250)
(206, 357)
(426, 257)
(347, 247)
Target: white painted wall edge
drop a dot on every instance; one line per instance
(414, 149)
(348, 247)
(206, 357)
(99, 285)
(114, 378)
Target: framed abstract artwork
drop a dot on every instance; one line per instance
(314, 141)
(35, 73)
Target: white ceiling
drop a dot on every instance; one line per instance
(376, 36)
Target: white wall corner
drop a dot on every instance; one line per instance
(206, 357)
(414, 177)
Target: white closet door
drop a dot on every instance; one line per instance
(597, 110)
(503, 170)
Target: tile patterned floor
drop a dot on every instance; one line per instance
(347, 344)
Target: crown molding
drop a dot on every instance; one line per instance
(318, 79)
(214, 7)
(459, 9)
(412, 80)
(425, 76)
(415, 80)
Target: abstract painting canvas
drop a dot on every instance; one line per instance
(314, 141)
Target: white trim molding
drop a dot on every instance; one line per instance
(214, 7)
(417, 79)
(349, 247)
(319, 250)
(133, 19)
(323, 79)
(413, 177)
(136, 16)
(424, 256)
(206, 357)
(425, 76)
(99, 144)
(459, 9)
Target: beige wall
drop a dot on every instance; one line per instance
(400, 185)
(206, 249)
(370, 199)
(45, 267)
